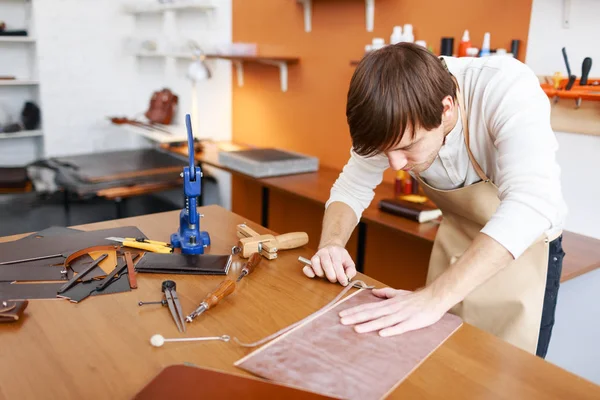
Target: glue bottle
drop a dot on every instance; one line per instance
(464, 44)
(396, 36)
(485, 47)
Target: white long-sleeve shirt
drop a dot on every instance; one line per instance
(512, 140)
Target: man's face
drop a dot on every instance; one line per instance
(419, 153)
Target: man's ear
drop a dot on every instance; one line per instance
(448, 111)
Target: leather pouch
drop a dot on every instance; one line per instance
(11, 311)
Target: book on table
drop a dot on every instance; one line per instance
(420, 210)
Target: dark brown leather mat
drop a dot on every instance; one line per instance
(51, 231)
(28, 291)
(107, 166)
(62, 244)
(184, 382)
(82, 291)
(13, 177)
(16, 272)
(204, 264)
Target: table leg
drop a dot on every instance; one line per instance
(360, 250)
(120, 207)
(265, 207)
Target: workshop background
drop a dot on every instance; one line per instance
(84, 61)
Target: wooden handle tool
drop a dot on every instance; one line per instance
(213, 298)
(287, 241)
(250, 265)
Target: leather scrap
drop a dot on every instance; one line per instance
(130, 270)
(16, 272)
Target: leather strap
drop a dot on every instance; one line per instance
(130, 270)
(463, 114)
(88, 250)
(11, 311)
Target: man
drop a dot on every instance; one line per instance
(476, 133)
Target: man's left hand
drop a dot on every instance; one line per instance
(400, 312)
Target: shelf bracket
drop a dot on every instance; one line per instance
(239, 67)
(307, 14)
(283, 72)
(370, 14)
(566, 13)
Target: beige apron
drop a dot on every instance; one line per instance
(508, 305)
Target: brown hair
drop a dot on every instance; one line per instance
(394, 88)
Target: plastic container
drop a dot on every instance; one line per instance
(421, 43)
(464, 44)
(396, 36)
(472, 52)
(408, 33)
(485, 47)
(378, 43)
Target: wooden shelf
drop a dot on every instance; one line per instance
(17, 39)
(280, 62)
(17, 82)
(22, 134)
(206, 5)
(369, 14)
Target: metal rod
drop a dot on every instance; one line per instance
(30, 259)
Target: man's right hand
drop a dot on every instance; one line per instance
(333, 262)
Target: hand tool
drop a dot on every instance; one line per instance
(358, 284)
(213, 298)
(586, 66)
(159, 340)
(83, 273)
(171, 300)
(189, 237)
(143, 244)
(267, 245)
(250, 265)
(571, 77)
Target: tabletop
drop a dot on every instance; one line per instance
(100, 348)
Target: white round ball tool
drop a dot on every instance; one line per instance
(157, 340)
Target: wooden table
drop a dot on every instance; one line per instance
(296, 202)
(100, 347)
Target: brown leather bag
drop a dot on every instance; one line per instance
(162, 107)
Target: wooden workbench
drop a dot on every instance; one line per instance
(389, 248)
(100, 347)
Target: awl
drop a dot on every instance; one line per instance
(250, 265)
(213, 298)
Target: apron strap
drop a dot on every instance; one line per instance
(463, 115)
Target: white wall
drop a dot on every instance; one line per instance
(578, 153)
(574, 344)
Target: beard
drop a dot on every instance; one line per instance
(420, 167)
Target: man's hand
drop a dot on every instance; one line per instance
(401, 312)
(334, 262)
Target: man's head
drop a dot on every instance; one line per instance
(401, 102)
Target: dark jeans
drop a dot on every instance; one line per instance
(555, 261)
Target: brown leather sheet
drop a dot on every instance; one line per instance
(107, 166)
(204, 264)
(186, 383)
(326, 357)
(51, 231)
(62, 244)
(16, 272)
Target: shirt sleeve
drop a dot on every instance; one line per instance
(517, 113)
(356, 183)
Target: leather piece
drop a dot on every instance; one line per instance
(204, 264)
(327, 357)
(186, 383)
(11, 311)
(51, 231)
(130, 270)
(108, 166)
(28, 291)
(63, 244)
(13, 177)
(84, 290)
(17, 272)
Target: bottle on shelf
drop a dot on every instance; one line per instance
(399, 183)
(408, 33)
(485, 47)
(464, 44)
(396, 36)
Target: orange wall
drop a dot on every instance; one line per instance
(310, 116)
